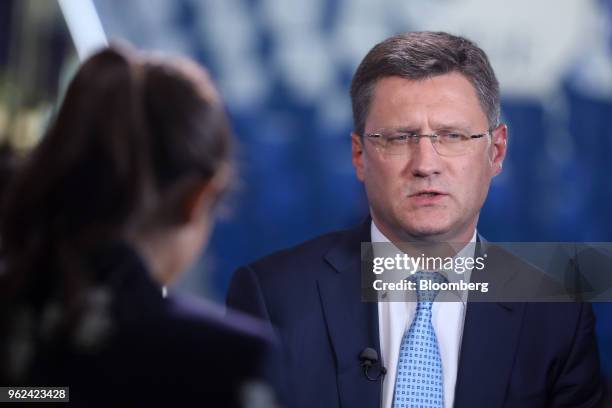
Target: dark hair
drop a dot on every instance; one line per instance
(420, 55)
(9, 163)
(131, 128)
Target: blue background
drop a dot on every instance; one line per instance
(296, 179)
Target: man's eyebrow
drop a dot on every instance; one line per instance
(464, 127)
(461, 126)
(406, 129)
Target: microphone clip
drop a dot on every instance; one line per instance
(368, 358)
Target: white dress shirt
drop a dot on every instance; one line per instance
(394, 318)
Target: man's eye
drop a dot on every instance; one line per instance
(398, 138)
(452, 136)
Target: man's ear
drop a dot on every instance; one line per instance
(357, 153)
(499, 148)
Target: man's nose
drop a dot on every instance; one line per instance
(424, 159)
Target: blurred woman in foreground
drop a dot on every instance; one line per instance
(116, 201)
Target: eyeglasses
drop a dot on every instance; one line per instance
(397, 142)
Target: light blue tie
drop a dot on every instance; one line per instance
(419, 370)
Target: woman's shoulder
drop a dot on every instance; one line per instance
(214, 320)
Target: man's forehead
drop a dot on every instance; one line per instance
(447, 100)
(451, 83)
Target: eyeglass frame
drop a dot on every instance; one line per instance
(433, 137)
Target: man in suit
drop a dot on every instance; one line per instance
(427, 142)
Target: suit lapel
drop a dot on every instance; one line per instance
(352, 325)
(490, 338)
(490, 335)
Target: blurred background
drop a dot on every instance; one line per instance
(284, 67)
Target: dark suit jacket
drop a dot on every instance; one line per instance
(512, 354)
(173, 352)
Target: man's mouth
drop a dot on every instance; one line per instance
(427, 198)
(427, 193)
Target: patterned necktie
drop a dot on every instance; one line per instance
(419, 370)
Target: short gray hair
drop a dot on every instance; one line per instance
(419, 55)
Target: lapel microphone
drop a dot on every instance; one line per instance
(368, 358)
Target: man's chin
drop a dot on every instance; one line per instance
(425, 232)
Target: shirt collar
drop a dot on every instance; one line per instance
(467, 251)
